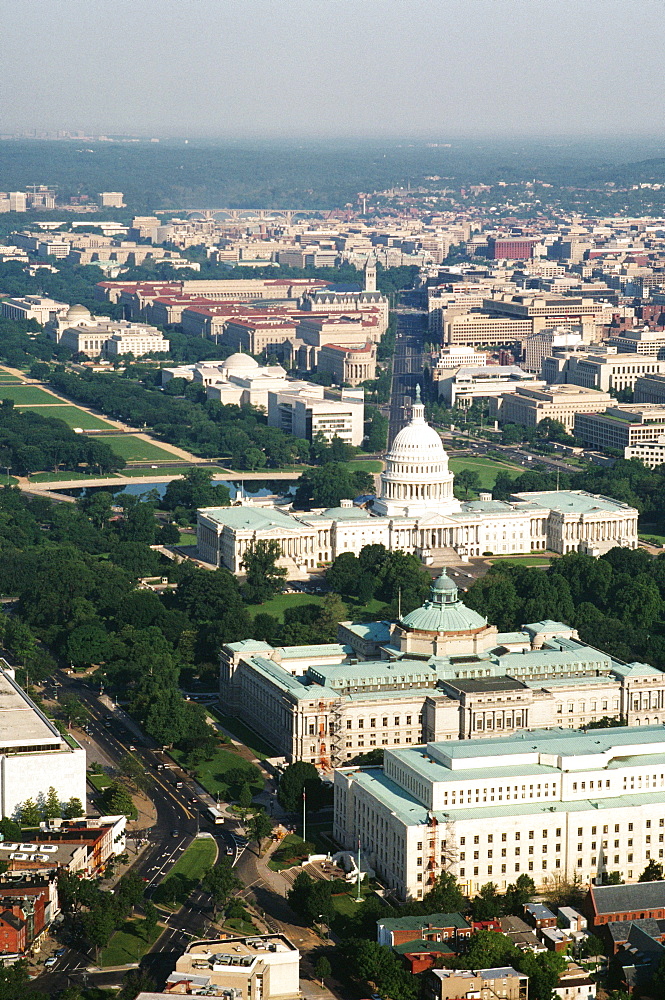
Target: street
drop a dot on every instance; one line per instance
(407, 368)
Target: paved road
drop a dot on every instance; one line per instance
(407, 369)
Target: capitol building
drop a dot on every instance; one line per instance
(417, 512)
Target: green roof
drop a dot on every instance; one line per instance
(444, 612)
(574, 502)
(420, 923)
(251, 518)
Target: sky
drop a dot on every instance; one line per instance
(333, 68)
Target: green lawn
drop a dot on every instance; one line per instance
(187, 538)
(211, 773)
(244, 734)
(10, 378)
(522, 560)
(199, 856)
(371, 465)
(649, 536)
(278, 604)
(129, 944)
(27, 395)
(134, 449)
(74, 417)
(345, 904)
(487, 469)
(64, 477)
(99, 781)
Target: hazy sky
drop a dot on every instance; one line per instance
(332, 67)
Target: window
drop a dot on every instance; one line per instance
(475, 871)
(462, 856)
(385, 720)
(348, 723)
(408, 720)
(462, 841)
(476, 840)
(490, 838)
(372, 723)
(397, 720)
(503, 869)
(419, 877)
(580, 831)
(517, 836)
(489, 854)
(630, 828)
(503, 852)
(419, 862)
(461, 872)
(558, 831)
(504, 838)
(419, 845)
(361, 723)
(311, 730)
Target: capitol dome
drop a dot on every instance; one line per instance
(416, 478)
(239, 363)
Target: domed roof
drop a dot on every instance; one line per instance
(417, 442)
(77, 313)
(240, 362)
(444, 612)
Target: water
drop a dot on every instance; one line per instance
(250, 489)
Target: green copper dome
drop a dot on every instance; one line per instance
(444, 612)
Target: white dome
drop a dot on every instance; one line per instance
(239, 362)
(417, 442)
(416, 479)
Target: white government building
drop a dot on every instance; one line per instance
(440, 673)
(551, 804)
(417, 512)
(33, 754)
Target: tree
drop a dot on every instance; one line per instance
(150, 916)
(10, 830)
(328, 485)
(296, 778)
(119, 801)
(445, 896)
(131, 888)
(245, 799)
(195, 489)
(467, 480)
(593, 946)
(134, 772)
(333, 611)
(52, 808)
(322, 969)
(652, 873)
(486, 905)
(73, 808)
(260, 827)
(517, 894)
(31, 814)
(220, 882)
(73, 710)
(264, 577)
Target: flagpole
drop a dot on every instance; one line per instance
(304, 824)
(358, 896)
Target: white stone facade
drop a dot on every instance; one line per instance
(550, 804)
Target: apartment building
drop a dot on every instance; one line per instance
(503, 983)
(549, 803)
(528, 405)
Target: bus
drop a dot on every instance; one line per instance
(214, 815)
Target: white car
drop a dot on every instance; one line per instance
(50, 962)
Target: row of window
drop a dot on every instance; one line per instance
(531, 835)
(384, 721)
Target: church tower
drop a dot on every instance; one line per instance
(370, 275)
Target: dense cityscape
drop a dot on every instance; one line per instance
(332, 502)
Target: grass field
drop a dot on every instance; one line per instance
(26, 395)
(487, 468)
(371, 465)
(7, 379)
(129, 944)
(244, 734)
(151, 473)
(74, 417)
(134, 449)
(278, 604)
(212, 773)
(199, 856)
(64, 477)
(99, 781)
(522, 560)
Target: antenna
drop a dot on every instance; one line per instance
(399, 602)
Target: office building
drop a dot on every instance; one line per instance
(529, 404)
(553, 804)
(265, 967)
(650, 389)
(348, 364)
(482, 330)
(461, 387)
(639, 341)
(637, 430)
(111, 199)
(607, 372)
(84, 333)
(33, 754)
(304, 410)
(36, 307)
(541, 345)
(439, 673)
(511, 248)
